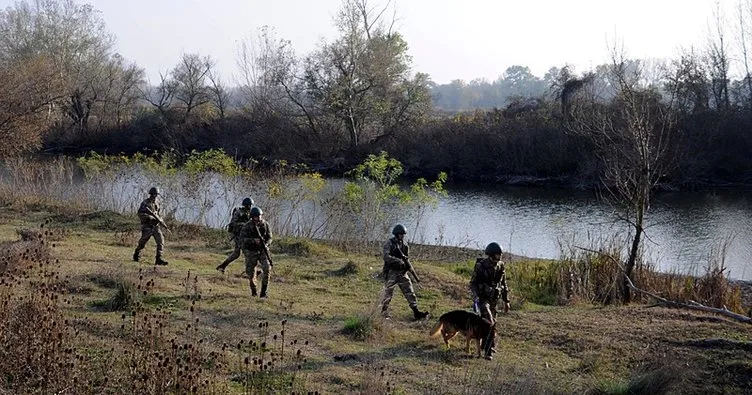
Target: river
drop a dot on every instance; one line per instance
(685, 229)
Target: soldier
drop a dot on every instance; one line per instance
(149, 213)
(488, 284)
(395, 270)
(240, 215)
(256, 236)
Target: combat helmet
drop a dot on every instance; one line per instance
(399, 229)
(248, 202)
(256, 211)
(493, 249)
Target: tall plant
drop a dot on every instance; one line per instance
(374, 198)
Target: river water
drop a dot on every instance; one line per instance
(684, 229)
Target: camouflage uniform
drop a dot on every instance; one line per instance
(240, 216)
(488, 284)
(395, 273)
(150, 227)
(254, 253)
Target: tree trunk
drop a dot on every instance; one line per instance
(353, 128)
(633, 251)
(79, 110)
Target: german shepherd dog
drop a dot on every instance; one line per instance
(472, 326)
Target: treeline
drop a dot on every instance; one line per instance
(64, 89)
(516, 82)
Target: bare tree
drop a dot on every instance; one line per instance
(160, 96)
(26, 91)
(689, 80)
(119, 84)
(718, 61)
(219, 95)
(271, 81)
(126, 93)
(190, 78)
(258, 59)
(744, 9)
(631, 137)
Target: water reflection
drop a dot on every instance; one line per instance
(684, 229)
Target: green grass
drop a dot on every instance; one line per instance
(360, 327)
(324, 301)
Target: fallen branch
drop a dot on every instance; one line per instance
(692, 305)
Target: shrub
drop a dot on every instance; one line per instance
(294, 246)
(124, 298)
(360, 327)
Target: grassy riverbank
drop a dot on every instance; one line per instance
(88, 320)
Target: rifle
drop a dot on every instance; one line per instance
(409, 264)
(158, 218)
(266, 247)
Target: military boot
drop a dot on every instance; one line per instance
(159, 262)
(385, 312)
(419, 314)
(253, 290)
(263, 294)
(135, 256)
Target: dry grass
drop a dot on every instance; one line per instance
(584, 275)
(185, 328)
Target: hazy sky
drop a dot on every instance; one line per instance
(448, 39)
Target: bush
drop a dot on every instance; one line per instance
(294, 246)
(126, 293)
(360, 327)
(124, 298)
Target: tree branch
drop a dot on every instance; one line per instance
(692, 305)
